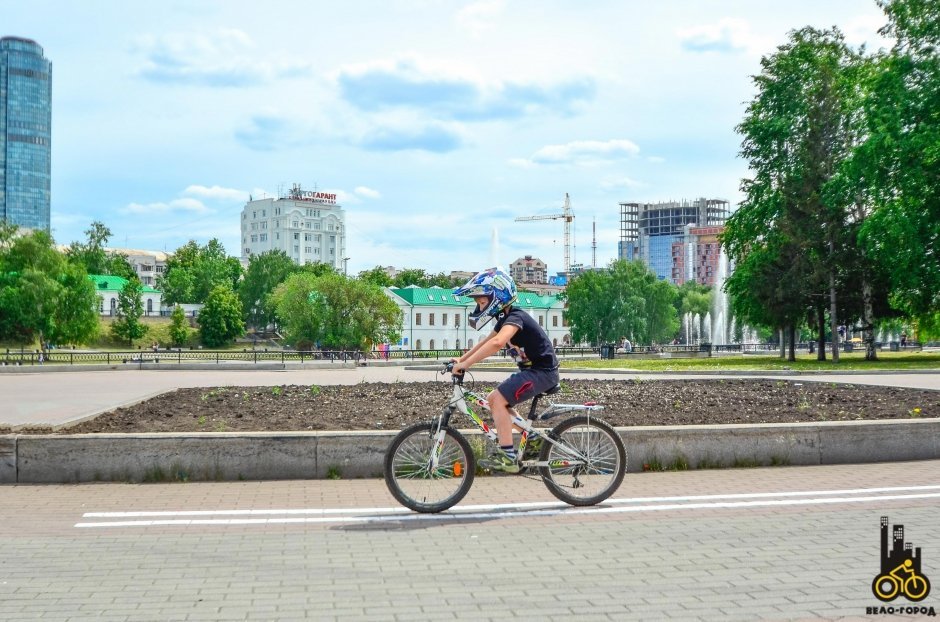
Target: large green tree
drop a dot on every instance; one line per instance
(220, 320)
(93, 256)
(193, 271)
(625, 300)
(898, 164)
(336, 312)
(265, 272)
(41, 295)
(787, 236)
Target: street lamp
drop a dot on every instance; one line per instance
(345, 260)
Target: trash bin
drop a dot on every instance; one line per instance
(848, 346)
(812, 347)
(604, 351)
(611, 351)
(895, 346)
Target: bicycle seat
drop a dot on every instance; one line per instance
(555, 389)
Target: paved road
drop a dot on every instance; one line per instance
(760, 544)
(57, 398)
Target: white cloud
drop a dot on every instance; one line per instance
(582, 153)
(369, 193)
(176, 205)
(226, 57)
(217, 193)
(864, 29)
(727, 35)
(448, 91)
(478, 17)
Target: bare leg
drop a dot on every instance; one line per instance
(502, 417)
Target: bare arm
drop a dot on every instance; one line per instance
(486, 348)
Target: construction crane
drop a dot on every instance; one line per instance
(567, 217)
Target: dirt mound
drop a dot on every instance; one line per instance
(376, 406)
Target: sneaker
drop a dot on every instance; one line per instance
(532, 448)
(498, 461)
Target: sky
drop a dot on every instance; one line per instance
(437, 123)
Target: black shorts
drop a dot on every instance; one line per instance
(526, 384)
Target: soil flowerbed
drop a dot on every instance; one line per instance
(376, 406)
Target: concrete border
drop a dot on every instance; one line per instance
(211, 456)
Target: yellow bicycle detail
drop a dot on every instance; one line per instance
(915, 587)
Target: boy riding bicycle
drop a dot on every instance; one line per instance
(494, 292)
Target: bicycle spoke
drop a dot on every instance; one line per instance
(410, 477)
(586, 464)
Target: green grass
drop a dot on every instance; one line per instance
(804, 362)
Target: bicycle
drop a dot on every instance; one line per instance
(430, 466)
(915, 587)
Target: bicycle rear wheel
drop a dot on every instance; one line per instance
(412, 481)
(599, 457)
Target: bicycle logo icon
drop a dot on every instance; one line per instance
(901, 573)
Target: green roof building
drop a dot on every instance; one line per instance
(109, 288)
(435, 319)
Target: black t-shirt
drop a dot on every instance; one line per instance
(530, 346)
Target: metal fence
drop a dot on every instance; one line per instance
(258, 355)
(248, 356)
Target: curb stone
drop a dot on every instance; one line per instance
(208, 456)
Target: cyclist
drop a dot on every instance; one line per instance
(494, 292)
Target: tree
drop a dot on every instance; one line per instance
(626, 300)
(41, 296)
(93, 256)
(130, 308)
(796, 133)
(336, 312)
(898, 168)
(179, 331)
(193, 271)
(220, 320)
(76, 313)
(265, 272)
(376, 276)
(412, 276)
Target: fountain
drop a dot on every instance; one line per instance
(719, 330)
(707, 328)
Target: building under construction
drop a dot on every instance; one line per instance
(676, 239)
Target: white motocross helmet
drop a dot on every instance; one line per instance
(494, 284)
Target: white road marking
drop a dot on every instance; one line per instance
(508, 510)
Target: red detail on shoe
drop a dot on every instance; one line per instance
(525, 387)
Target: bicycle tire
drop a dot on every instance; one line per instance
(600, 477)
(408, 476)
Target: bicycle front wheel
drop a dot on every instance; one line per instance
(410, 477)
(586, 464)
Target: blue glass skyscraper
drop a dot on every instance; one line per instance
(25, 133)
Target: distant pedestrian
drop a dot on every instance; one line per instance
(903, 339)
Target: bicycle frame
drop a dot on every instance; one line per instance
(460, 401)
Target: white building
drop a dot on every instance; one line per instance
(109, 289)
(435, 319)
(149, 265)
(307, 225)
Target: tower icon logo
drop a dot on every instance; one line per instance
(900, 568)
